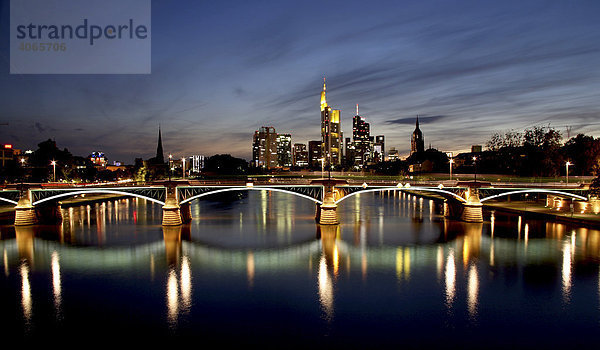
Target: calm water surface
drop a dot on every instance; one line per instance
(256, 269)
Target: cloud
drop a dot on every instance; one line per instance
(411, 120)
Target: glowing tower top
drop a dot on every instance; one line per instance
(323, 99)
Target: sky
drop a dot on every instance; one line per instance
(223, 69)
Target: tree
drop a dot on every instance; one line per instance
(225, 164)
(510, 138)
(595, 187)
(541, 146)
(584, 152)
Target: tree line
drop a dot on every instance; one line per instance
(540, 151)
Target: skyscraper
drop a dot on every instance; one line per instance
(417, 142)
(331, 139)
(315, 154)
(284, 150)
(300, 155)
(379, 148)
(264, 148)
(361, 137)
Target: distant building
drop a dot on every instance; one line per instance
(264, 148)
(349, 152)
(331, 138)
(300, 155)
(7, 154)
(98, 159)
(284, 150)
(196, 164)
(361, 140)
(379, 149)
(476, 149)
(314, 154)
(393, 154)
(417, 142)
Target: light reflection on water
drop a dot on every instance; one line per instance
(257, 258)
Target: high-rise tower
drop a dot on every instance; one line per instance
(361, 136)
(330, 132)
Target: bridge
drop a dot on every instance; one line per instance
(37, 203)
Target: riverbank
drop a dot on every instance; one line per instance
(534, 209)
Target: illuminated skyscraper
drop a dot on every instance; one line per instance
(284, 150)
(361, 136)
(300, 155)
(314, 154)
(331, 139)
(417, 142)
(264, 148)
(379, 148)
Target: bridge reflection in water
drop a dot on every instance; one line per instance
(455, 249)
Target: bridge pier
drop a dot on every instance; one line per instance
(186, 212)
(25, 213)
(327, 212)
(472, 209)
(171, 209)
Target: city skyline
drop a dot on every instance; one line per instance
(219, 72)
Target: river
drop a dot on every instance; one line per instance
(255, 269)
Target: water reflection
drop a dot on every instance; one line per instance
(381, 240)
(26, 301)
(56, 283)
(450, 279)
(473, 291)
(566, 271)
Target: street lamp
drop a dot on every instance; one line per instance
(23, 166)
(170, 166)
(567, 165)
(475, 167)
(451, 161)
(53, 163)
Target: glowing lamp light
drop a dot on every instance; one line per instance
(440, 186)
(364, 185)
(249, 184)
(7, 146)
(407, 185)
(399, 185)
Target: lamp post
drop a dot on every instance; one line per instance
(475, 167)
(183, 166)
(23, 167)
(53, 163)
(170, 166)
(451, 161)
(567, 165)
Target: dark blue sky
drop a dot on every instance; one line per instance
(222, 69)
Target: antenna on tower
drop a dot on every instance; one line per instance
(569, 131)
(357, 109)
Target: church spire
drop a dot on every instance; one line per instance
(160, 158)
(323, 99)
